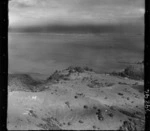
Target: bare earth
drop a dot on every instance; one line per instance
(79, 101)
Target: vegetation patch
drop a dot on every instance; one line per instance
(136, 114)
(120, 94)
(78, 69)
(96, 84)
(140, 88)
(50, 124)
(85, 107)
(99, 115)
(80, 121)
(127, 126)
(110, 114)
(32, 113)
(56, 76)
(135, 71)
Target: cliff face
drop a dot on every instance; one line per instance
(76, 98)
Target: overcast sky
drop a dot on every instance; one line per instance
(47, 13)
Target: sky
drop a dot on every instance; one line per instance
(73, 15)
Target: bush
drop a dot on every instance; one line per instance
(135, 71)
(78, 69)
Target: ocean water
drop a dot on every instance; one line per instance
(46, 52)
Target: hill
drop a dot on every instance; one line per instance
(22, 82)
(76, 99)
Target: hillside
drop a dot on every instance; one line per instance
(22, 82)
(76, 98)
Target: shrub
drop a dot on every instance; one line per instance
(135, 71)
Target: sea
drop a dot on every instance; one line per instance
(46, 52)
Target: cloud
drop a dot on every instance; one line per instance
(73, 12)
(77, 3)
